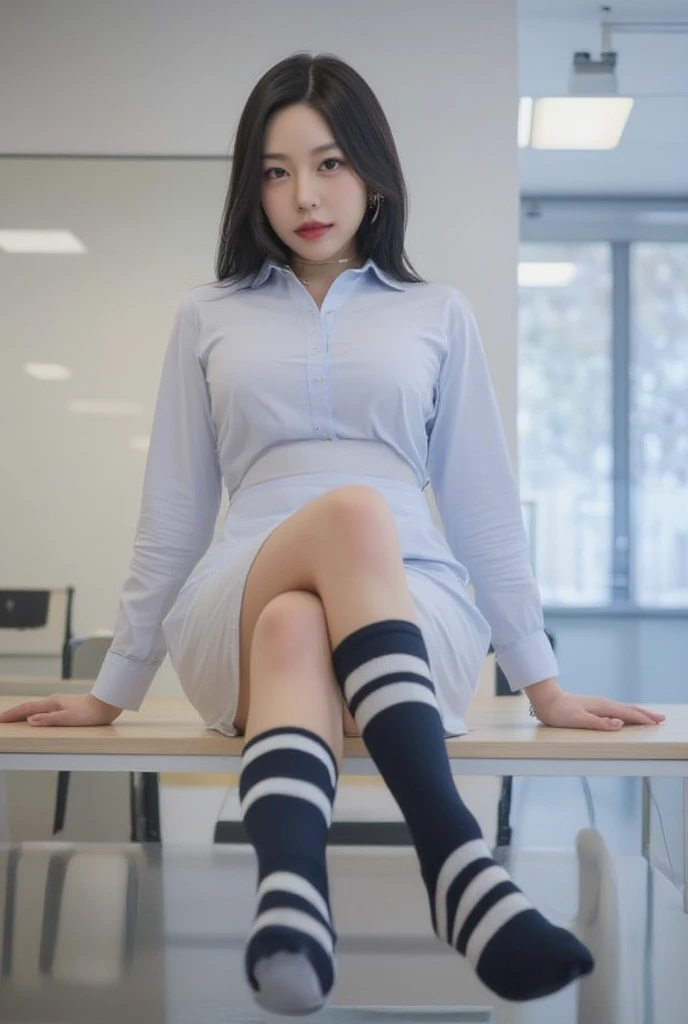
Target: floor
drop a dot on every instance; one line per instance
(119, 932)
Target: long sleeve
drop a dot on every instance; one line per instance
(179, 507)
(478, 499)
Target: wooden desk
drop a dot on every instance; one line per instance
(167, 735)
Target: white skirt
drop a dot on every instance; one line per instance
(202, 628)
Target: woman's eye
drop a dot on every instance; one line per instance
(272, 172)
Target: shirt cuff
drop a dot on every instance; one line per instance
(528, 661)
(122, 682)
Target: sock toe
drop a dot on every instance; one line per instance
(288, 984)
(529, 958)
(288, 972)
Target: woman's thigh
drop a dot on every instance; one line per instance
(287, 561)
(290, 638)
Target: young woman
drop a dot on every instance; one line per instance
(326, 384)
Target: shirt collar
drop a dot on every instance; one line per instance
(369, 267)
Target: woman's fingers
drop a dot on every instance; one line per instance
(654, 716)
(49, 718)
(21, 712)
(590, 720)
(631, 714)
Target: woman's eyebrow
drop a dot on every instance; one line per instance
(284, 156)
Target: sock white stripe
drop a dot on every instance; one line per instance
(496, 917)
(382, 666)
(459, 859)
(286, 881)
(288, 787)
(387, 696)
(285, 917)
(290, 741)
(473, 893)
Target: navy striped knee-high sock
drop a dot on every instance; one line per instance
(287, 786)
(384, 672)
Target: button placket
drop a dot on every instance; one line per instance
(316, 379)
(319, 322)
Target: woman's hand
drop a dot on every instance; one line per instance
(554, 706)
(571, 711)
(63, 709)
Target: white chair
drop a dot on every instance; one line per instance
(597, 925)
(46, 933)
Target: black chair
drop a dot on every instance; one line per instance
(83, 659)
(36, 623)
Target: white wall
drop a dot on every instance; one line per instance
(91, 77)
(164, 77)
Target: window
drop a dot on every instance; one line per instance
(603, 419)
(659, 421)
(564, 422)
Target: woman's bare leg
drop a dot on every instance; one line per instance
(343, 547)
(293, 683)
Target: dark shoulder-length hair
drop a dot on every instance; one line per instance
(353, 112)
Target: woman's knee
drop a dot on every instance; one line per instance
(360, 520)
(292, 626)
(292, 629)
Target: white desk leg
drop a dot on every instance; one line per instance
(646, 817)
(685, 845)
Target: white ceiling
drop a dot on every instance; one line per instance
(165, 77)
(652, 158)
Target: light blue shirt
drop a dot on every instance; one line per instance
(255, 364)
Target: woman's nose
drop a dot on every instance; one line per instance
(306, 192)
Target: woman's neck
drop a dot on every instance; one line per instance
(317, 276)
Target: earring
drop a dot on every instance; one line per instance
(375, 203)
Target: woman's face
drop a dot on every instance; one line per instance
(303, 184)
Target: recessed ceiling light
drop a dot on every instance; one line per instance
(592, 116)
(579, 122)
(48, 371)
(546, 275)
(30, 241)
